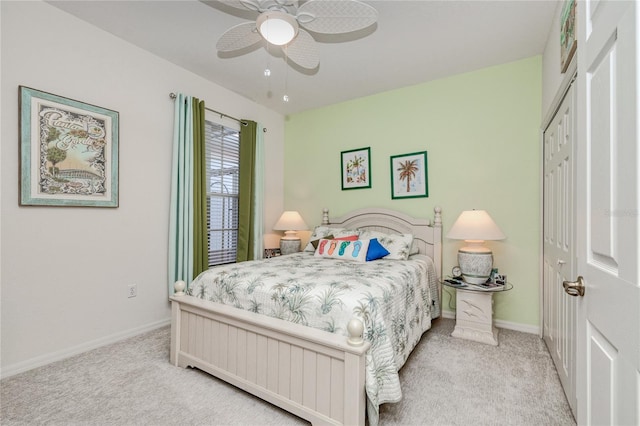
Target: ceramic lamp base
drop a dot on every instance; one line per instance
(475, 265)
(288, 246)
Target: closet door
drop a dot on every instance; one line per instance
(608, 213)
(559, 309)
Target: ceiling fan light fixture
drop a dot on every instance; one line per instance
(276, 27)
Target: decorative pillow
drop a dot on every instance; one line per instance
(348, 238)
(367, 234)
(342, 249)
(399, 246)
(323, 231)
(376, 250)
(314, 243)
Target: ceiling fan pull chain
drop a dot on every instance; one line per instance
(285, 98)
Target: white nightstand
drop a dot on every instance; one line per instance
(474, 314)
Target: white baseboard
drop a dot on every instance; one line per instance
(39, 361)
(448, 314)
(525, 328)
(20, 367)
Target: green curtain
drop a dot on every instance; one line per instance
(246, 235)
(200, 226)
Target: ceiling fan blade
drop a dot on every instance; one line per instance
(336, 16)
(238, 37)
(243, 4)
(288, 6)
(303, 50)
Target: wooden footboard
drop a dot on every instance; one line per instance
(311, 373)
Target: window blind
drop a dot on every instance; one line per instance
(222, 151)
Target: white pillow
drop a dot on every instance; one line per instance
(323, 231)
(368, 234)
(398, 245)
(342, 249)
(414, 247)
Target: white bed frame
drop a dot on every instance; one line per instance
(313, 374)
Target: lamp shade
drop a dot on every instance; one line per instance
(290, 221)
(475, 225)
(276, 27)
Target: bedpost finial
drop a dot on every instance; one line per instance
(325, 216)
(437, 220)
(179, 287)
(355, 329)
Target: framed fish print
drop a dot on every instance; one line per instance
(68, 152)
(409, 175)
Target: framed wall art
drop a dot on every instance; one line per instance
(568, 41)
(356, 168)
(68, 152)
(409, 175)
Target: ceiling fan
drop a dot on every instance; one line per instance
(287, 24)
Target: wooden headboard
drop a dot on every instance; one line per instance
(427, 234)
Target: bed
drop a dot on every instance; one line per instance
(326, 369)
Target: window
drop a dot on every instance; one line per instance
(222, 151)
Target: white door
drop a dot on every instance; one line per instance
(608, 211)
(559, 309)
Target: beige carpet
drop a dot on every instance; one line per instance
(446, 381)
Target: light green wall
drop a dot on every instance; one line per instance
(481, 131)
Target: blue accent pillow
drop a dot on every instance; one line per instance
(376, 250)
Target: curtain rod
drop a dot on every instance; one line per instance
(244, 123)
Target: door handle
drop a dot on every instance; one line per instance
(574, 288)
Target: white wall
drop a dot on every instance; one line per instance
(65, 271)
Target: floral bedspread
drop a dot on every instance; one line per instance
(393, 297)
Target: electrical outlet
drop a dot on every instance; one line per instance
(132, 290)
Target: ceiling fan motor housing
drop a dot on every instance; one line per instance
(277, 27)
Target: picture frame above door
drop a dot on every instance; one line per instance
(568, 43)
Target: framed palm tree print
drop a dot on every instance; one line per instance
(356, 168)
(409, 175)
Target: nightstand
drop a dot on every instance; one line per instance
(474, 313)
(271, 252)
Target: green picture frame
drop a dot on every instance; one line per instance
(355, 168)
(568, 42)
(409, 178)
(68, 152)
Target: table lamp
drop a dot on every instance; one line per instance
(290, 222)
(475, 259)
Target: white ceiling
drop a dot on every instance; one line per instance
(413, 42)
